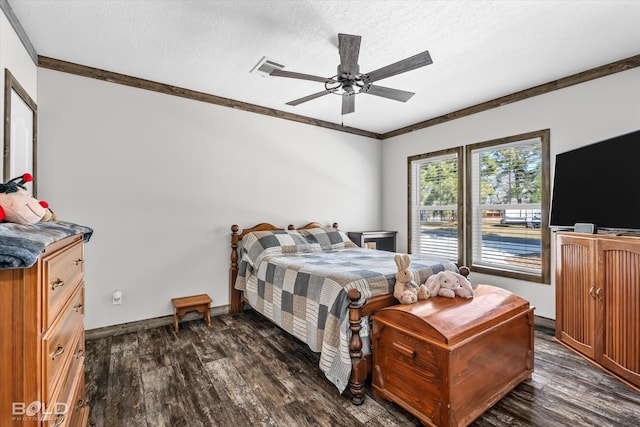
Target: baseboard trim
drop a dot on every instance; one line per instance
(156, 322)
(142, 325)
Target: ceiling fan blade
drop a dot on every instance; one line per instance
(348, 103)
(349, 48)
(308, 98)
(387, 92)
(290, 74)
(408, 64)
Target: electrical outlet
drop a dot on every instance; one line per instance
(117, 297)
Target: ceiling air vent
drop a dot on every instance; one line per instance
(265, 66)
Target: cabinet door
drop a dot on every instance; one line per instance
(576, 292)
(618, 346)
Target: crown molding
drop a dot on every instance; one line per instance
(592, 74)
(108, 76)
(17, 27)
(123, 79)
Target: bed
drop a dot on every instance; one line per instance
(320, 287)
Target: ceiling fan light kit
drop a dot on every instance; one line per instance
(349, 82)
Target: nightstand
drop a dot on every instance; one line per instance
(381, 240)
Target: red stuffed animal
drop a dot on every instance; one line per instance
(17, 205)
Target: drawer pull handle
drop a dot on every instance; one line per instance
(598, 294)
(78, 307)
(79, 404)
(404, 349)
(78, 262)
(57, 353)
(591, 294)
(59, 420)
(79, 354)
(57, 284)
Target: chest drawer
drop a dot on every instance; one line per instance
(63, 270)
(59, 342)
(408, 367)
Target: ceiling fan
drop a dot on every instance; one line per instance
(350, 82)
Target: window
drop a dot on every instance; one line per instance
(435, 219)
(503, 219)
(507, 182)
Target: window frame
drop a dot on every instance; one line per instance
(545, 235)
(459, 154)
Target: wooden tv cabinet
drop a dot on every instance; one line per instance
(598, 300)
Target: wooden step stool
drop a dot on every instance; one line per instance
(184, 305)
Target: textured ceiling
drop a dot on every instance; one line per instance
(481, 50)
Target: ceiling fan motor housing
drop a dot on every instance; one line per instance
(349, 82)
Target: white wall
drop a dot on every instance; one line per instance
(161, 179)
(14, 57)
(577, 116)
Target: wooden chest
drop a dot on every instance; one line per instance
(448, 360)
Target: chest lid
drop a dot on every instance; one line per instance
(451, 320)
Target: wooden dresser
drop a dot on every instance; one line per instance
(42, 339)
(448, 360)
(598, 300)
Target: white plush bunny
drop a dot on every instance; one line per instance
(448, 284)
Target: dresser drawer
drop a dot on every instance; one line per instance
(80, 409)
(59, 342)
(62, 270)
(65, 407)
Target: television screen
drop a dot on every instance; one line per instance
(599, 184)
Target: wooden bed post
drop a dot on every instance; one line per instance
(359, 366)
(235, 305)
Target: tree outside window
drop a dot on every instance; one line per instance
(508, 206)
(436, 201)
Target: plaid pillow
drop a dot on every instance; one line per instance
(327, 238)
(259, 244)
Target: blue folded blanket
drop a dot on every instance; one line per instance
(21, 245)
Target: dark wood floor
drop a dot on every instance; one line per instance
(243, 371)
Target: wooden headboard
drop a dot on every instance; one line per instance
(235, 304)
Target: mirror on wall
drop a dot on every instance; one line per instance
(20, 125)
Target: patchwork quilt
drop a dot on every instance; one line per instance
(300, 279)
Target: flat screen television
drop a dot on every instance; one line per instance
(598, 184)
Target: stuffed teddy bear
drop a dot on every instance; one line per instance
(17, 205)
(406, 289)
(448, 284)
